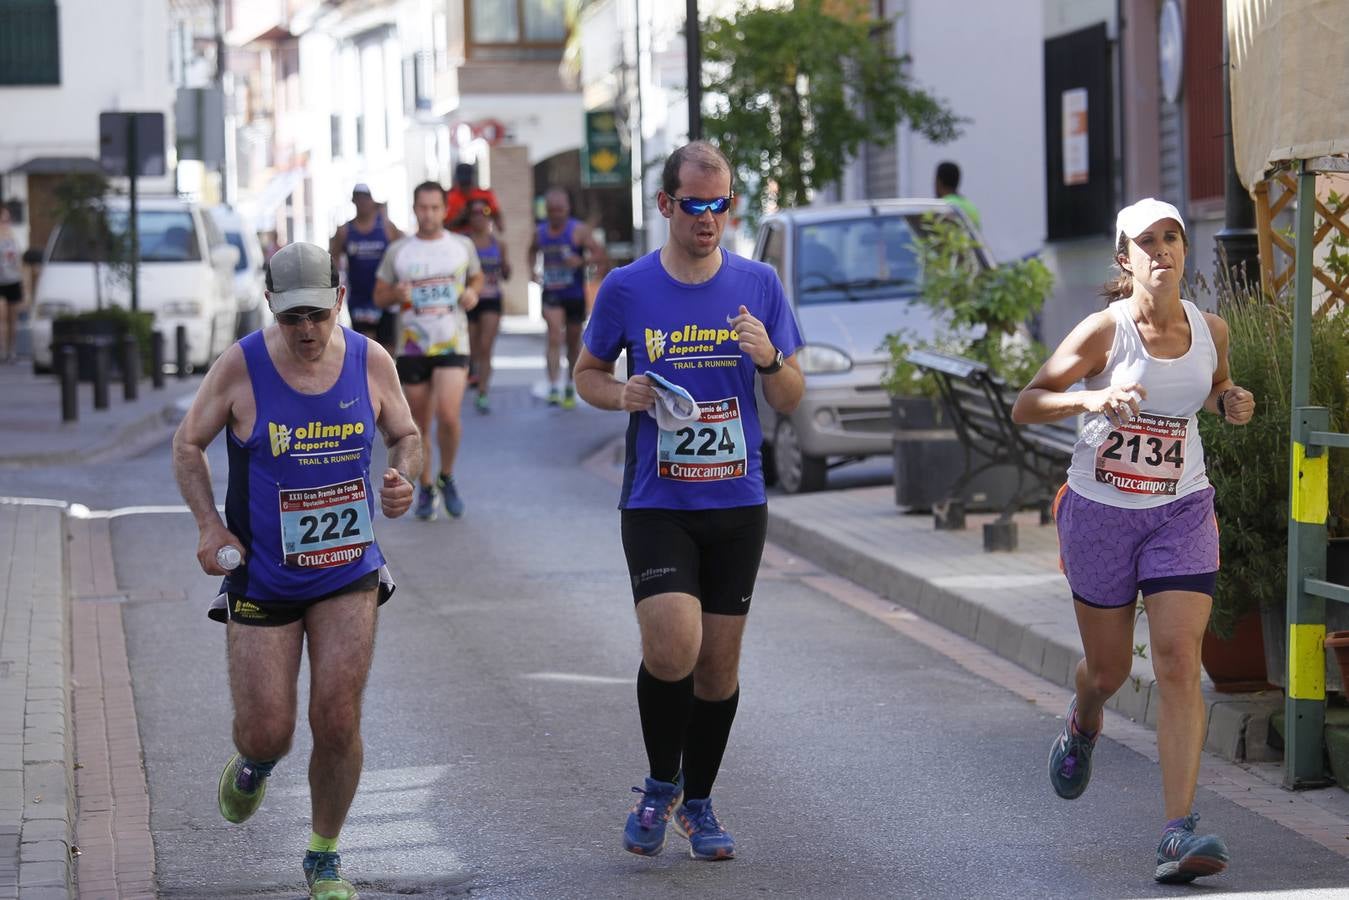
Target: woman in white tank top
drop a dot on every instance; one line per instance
(1137, 512)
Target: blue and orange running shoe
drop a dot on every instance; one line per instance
(426, 503)
(644, 833)
(708, 838)
(1070, 759)
(1183, 856)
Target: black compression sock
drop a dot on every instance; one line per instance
(664, 708)
(705, 743)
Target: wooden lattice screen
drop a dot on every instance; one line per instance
(1277, 251)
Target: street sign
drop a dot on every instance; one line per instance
(605, 159)
(115, 141)
(199, 125)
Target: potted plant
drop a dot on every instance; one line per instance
(979, 312)
(1249, 469)
(88, 231)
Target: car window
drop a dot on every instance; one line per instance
(869, 258)
(774, 247)
(236, 241)
(165, 236)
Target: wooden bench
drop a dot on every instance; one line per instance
(979, 405)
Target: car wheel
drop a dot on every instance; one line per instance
(797, 473)
(769, 464)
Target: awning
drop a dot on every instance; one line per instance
(260, 208)
(57, 165)
(1290, 93)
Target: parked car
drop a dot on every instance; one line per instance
(248, 275)
(185, 278)
(852, 276)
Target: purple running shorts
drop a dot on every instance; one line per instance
(1110, 553)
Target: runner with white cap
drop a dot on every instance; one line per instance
(1137, 512)
(697, 323)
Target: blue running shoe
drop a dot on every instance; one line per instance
(707, 838)
(1183, 856)
(644, 833)
(454, 505)
(322, 871)
(426, 504)
(1070, 759)
(243, 784)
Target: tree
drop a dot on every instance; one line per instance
(799, 89)
(90, 230)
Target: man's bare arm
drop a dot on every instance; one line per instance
(400, 433)
(208, 416)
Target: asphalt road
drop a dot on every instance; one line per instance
(502, 733)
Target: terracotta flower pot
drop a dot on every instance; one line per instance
(1237, 665)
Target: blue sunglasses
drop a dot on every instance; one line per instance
(696, 206)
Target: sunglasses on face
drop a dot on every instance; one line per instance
(696, 206)
(293, 319)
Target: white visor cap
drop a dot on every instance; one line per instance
(1136, 219)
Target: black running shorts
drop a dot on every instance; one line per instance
(417, 369)
(273, 613)
(573, 308)
(484, 305)
(712, 554)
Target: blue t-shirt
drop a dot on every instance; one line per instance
(681, 332)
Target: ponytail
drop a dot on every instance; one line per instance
(1122, 285)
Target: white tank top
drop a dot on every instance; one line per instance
(1156, 458)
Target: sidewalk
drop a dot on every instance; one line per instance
(37, 742)
(1016, 604)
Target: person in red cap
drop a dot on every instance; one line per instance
(464, 192)
(1136, 516)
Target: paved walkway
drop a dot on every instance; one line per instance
(59, 696)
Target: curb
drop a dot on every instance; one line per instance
(130, 438)
(1237, 723)
(36, 773)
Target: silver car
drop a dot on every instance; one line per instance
(852, 276)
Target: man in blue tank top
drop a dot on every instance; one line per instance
(361, 243)
(698, 325)
(299, 403)
(568, 246)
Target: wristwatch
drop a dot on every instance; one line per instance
(771, 367)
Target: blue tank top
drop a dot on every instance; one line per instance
(299, 495)
(364, 250)
(558, 277)
(490, 259)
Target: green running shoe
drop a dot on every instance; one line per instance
(569, 398)
(322, 872)
(243, 784)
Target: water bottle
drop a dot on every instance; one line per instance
(228, 557)
(1096, 429)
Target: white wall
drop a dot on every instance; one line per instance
(986, 60)
(114, 57)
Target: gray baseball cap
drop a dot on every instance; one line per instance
(302, 275)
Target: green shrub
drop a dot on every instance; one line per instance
(1249, 464)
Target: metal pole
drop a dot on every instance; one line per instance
(157, 359)
(693, 42)
(180, 350)
(132, 164)
(1304, 703)
(131, 366)
(68, 367)
(102, 365)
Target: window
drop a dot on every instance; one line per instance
(516, 29)
(30, 45)
(335, 134)
(772, 251)
(870, 258)
(165, 236)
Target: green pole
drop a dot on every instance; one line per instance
(1304, 703)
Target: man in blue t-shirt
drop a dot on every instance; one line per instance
(697, 323)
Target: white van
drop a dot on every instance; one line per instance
(186, 278)
(248, 271)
